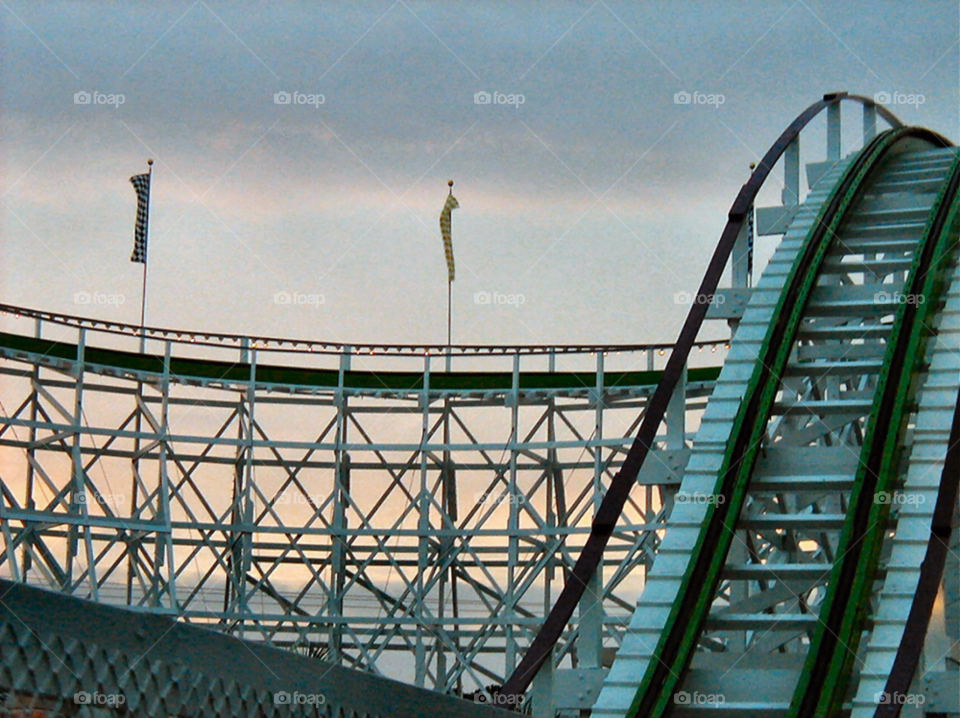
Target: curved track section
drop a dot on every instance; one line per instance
(391, 508)
(618, 494)
(763, 585)
(155, 368)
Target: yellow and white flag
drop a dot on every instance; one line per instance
(450, 205)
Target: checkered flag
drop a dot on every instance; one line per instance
(141, 183)
(450, 205)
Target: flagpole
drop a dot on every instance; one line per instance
(449, 322)
(146, 250)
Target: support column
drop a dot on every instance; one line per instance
(676, 414)
(31, 502)
(136, 538)
(742, 251)
(246, 513)
(544, 689)
(790, 195)
(869, 122)
(165, 517)
(448, 579)
(241, 513)
(513, 523)
(338, 555)
(741, 263)
(556, 494)
(833, 132)
(341, 491)
(423, 527)
(80, 497)
(590, 642)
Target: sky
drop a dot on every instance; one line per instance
(588, 195)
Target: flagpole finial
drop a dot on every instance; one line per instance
(150, 160)
(450, 185)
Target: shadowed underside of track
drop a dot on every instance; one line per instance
(760, 602)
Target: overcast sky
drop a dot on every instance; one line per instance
(596, 199)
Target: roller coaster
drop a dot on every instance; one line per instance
(562, 530)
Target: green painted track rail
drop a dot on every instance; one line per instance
(688, 615)
(189, 369)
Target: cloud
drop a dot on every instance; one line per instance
(286, 182)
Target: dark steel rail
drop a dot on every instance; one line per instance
(931, 573)
(623, 482)
(279, 344)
